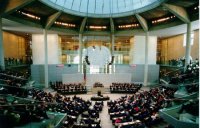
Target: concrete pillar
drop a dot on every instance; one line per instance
(46, 59)
(188, 45)
(2, 63)
(112, 44)
(54, 49)
(112, 50)
(146, 59)
(80, 52)
(138, 50)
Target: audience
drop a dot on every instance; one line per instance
(124, 87)
(194, 87)
(90, 118)
(142, 107)
(192, 108)
(42, 102)
(191, 74)
(17, 61)
(16, 114)
(12, 82)
(139, 110)
(98, 84)
(177, 62)
(72, 88)
(13, 78)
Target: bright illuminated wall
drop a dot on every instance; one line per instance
(172, 47)
(137, 52)
(54, 51)
(14, 46)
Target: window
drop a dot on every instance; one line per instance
(184, 39)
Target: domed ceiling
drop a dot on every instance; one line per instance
(100, 17)
(103, 8)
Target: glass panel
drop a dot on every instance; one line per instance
(106, 8)
(91, 6)
(99, 6)
(76, 5)
(53, 1)
(70, 49)
(83, 7)
(103, 6)
(60, 2)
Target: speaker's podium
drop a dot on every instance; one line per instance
(98, 88)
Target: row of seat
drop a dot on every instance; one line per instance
(124, 87)
(13, 78)
(98, 84)
(39, 103)
(141, 108)
(191, 74)
(72, 88)
(91, 118)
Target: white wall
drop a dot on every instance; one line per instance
(56, 73)
(138, 50)
(38, 49)
(152, 50)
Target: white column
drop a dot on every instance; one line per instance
(188, 45)
(146, 59)
(46, 58)
(2, 64)
(80, 52)
(112, 50)
(54, 49)
(112, 43)
(138, 50)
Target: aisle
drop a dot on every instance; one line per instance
(105, 117)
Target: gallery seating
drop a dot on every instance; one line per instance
(13, 78)
(190, 75)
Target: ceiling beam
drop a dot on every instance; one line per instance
(112, 26)
(83, 25)
(63, 30)
(142, 22)
(13, 5)
(178, 11)
(51, 19)
(97, 33)
(23, 21)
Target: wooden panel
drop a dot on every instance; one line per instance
(14, 46)
(172, 47)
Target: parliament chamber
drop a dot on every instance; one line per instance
(99, 64)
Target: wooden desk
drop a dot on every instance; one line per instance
(96, 89)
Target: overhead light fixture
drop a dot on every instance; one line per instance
(163, 19)
(65, 24)
(29, 15)
(128, 26)
(195, 8)
(97, 27)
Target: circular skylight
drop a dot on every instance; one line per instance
(103, 8)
